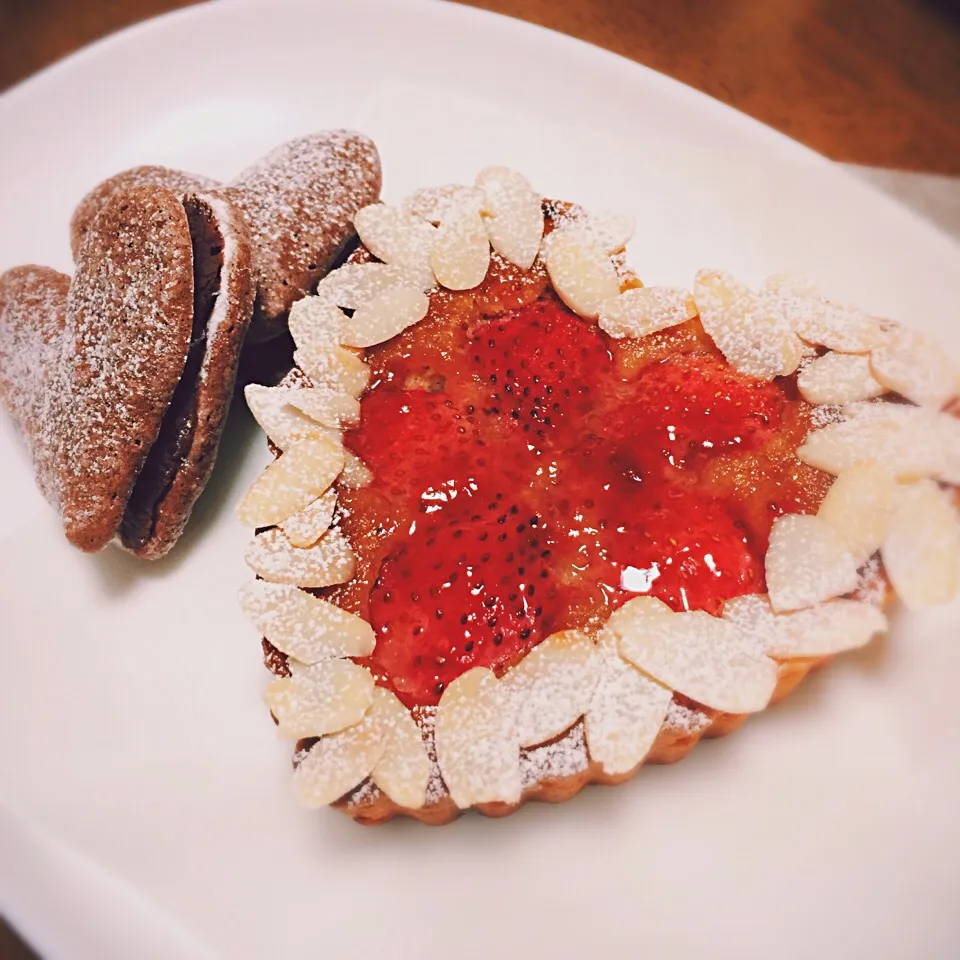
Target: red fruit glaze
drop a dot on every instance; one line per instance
(531, 475)
(460, 594)
(683, 408)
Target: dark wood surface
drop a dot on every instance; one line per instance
(868, 81)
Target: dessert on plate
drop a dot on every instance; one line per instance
(120, 379)
(532, 523)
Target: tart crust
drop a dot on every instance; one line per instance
(370, 806)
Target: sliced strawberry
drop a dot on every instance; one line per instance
(695, 403)
(459, 594)
(539, 365)
(414, 441)
(665, 542)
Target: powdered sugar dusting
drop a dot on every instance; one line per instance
(426, 718)
(129, 322)
(872, 586)
(703, 657)
(561, 758)
(299, 203)
(754, 338)
(33, 308)
(333, 765)
(305, 528)
(686, 720)
(644, 310)
(330, 561)
(825, 414)
(625, 714)
(320, 698)
(302, 626)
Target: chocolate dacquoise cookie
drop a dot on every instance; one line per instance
(120, 380)
(33, 317)
(156, 313)
(181, 459)
(144, 176)
(556, 524)
(298, 204)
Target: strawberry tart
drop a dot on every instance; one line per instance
(532, 523)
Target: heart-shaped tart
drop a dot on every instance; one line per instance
(532, 523)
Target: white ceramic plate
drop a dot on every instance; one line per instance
(131, 726)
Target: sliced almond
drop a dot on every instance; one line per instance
(316, 323)
(297, 477)
(353, 284)
(755, 622)
(327, 407)
(331, 560)
(333, 368)
(477, 746)
(901, 439)
(403, 771)
(807, 562)
(303, 626)
(612, 230)
(838, 378)
(914, 366)
(383, 317)
(581, 272)
(437, 204)
(836, 326)
(514, 214)
(397, 237)
(821, 631)
(837, 447)
(754, 339)
(355, 474)
(829, 628)
(461, 251)
(859, 506)
(282, 423)
(947, 428)
(336, 764)
(789, 285)
(625, 713)
(634, 613)
(817, 320)
(643, 310)
(319, 699)
(552, 685)
(921, 553)
(701, 657)
(308, 525)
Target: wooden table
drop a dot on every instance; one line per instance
(868, 81)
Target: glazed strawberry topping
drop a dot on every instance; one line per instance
(683, 408)
(461, 593)
(537, 367)
(414, 440)
(537, 485)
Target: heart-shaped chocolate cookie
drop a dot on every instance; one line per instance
(298, 203)
(33, 315)
(121, 380)
(146, 176)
